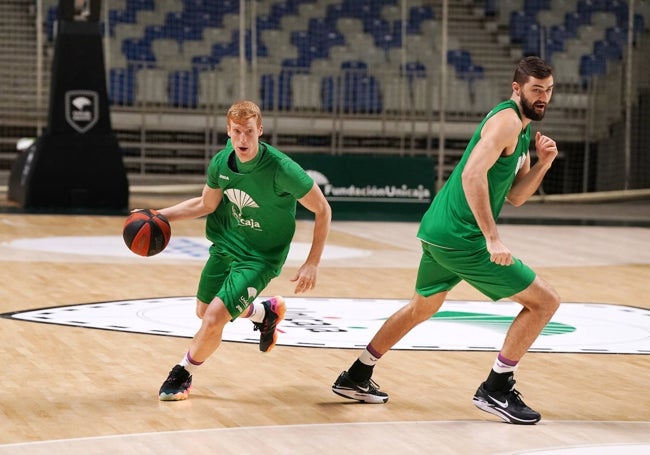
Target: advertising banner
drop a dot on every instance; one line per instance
(372, 187)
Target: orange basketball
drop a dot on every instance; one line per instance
(146, 232)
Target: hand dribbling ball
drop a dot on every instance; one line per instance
(146, 232)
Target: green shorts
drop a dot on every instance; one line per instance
(236, 282)
(441, 269)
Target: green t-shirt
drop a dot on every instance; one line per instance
(257, 217)
(449, 221)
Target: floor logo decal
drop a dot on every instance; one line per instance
(351, 323)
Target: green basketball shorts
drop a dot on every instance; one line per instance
(441, 269)
(237, 282)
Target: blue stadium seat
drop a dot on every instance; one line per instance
(307, 54)
(267, 22)
(355, 91)
(175, 19)
(616, 35)
(183, 88)
(355, 65)
(587, 6)
(205, 62)
(140, 5)
(620, 10)
(182, 27)
(490, 8)
(466, 70)
(471, 73)
(299, 65)
(137, 50)
(190, 33)
(574, 19)
(202, 18)
(319, 27)
(388, 41)
(152, 32)
(333, 38)
(334, 12)
(607, 50)
(267, 88)
(328, 94)
(560, 33)
(316, 41)
(121, 90)
(272, 98)
(220, 50)
(520, 22)
(532, 41)
(550, 47)
(591, 65)
(351, 90)
(421, 13)
(361, 8)
(118, 16)
(368, 99)
(417, 15)
(376, 27)
(532, 7)
(213, 7)
(262, 50)
(50, 19)
(460, 59)
(284, 7)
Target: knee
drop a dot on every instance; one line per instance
(201, 308)
(549, 304)
(214, 316)
(422, 308)
(555, 302)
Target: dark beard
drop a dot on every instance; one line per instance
(529, 111)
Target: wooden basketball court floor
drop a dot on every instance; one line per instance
(79, 390)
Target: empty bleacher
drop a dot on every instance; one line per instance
(296, 39)
(353, 59)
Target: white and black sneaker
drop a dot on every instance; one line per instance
(366, 391)
(506, 404)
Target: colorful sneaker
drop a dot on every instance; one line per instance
(177, 385)
(366, 391)
(506, 404)
(274, 310)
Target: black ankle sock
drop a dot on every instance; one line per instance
(360, 372)
(497, 381)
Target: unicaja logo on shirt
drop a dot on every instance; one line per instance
(240, 200)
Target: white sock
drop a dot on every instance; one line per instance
(367, 358)
(189, 363)
(502, 367)
(256, 312)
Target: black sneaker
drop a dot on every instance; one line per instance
(274, 310)
(366, 391)
(506, 404)
(177, 385)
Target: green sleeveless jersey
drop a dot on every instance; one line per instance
(449, 221)
(256, 218)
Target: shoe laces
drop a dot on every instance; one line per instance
(263, 326)
(372, 385)
(175, 377)
(516, 395)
